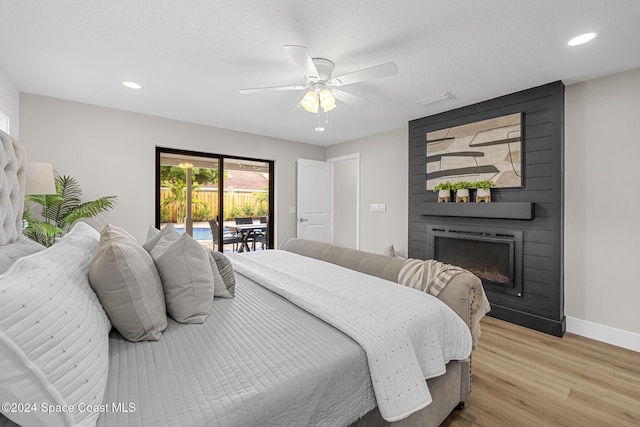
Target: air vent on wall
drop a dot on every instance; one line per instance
(446, 96)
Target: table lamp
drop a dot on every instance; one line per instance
(40, 179)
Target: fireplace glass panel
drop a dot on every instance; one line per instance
(491, 261)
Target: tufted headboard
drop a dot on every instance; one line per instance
(13, 164)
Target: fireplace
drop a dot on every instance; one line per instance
(493, 254)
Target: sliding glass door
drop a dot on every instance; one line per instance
(224, 202)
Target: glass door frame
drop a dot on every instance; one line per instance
(220, 158)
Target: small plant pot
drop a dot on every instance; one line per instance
(444, 196)
(483, 195)
(462, 195)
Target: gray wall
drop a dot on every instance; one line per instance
(345, 177)
(112, 152)
(602, 202)
(383, 179)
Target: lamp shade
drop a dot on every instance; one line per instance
(310, 102)
(327, 101)
(40, 179)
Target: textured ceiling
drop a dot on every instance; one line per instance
(192, 56)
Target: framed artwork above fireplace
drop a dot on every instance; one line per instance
(484, 150)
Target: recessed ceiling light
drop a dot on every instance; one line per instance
(132, 85)
(319, 129)
(581, 39)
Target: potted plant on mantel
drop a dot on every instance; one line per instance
(462, 191)
(444, 191)
(484, 190)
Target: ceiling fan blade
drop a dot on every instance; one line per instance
(302, 57)
(271, 89)
(350, 99)
(387, 69)
(296, 108)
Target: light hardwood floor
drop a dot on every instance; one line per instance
(525, 378)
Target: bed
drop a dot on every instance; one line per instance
(288, 349)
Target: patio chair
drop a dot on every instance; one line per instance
(227, 237)
(261, 236)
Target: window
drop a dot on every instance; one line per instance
(208, 195)
(4, 122)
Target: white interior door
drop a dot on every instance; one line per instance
(314, 200)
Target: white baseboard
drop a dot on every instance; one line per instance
(617, 337)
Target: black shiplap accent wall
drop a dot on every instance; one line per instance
(541, 306)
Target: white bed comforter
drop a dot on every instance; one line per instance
(408, 336)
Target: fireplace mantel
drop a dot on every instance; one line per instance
(503, 210)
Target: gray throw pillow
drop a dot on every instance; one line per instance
(224, 279)
(126, 280)
(186, 275)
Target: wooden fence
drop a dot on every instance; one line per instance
(236, 204)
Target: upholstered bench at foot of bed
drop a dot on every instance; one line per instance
(463, 294)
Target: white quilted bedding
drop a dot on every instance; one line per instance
(408, 336)
(17, 249)
(257, 361)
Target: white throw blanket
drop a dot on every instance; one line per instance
(408, 336)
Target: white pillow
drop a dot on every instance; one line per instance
(127, 282)
(54, 334)
(186, 275)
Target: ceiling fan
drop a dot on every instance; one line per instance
(323, 88)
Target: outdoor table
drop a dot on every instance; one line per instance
(246, 231)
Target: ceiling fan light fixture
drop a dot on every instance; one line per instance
(327, 101)
(310, 102)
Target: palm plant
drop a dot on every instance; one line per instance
(178, 199)
(59, 211)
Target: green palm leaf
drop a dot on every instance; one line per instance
(70, 191)
(89, 209)
(46, 200)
